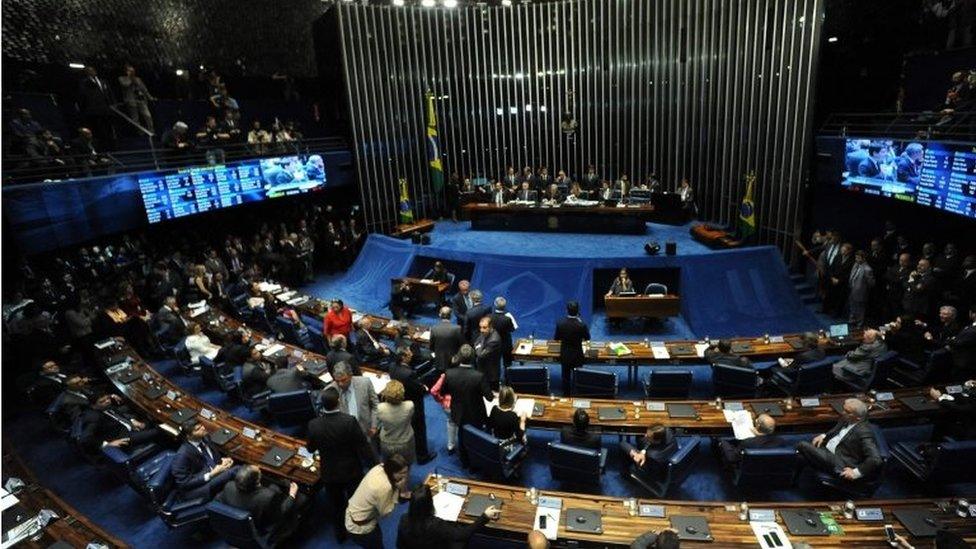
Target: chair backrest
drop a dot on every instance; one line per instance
(484, 451)
(235, 526)
(574, 464)
(595, 383)
(292, 407)
(882, 366)
(655, 288)
(529, 379)
(667, 382)
(286, 328)
(734, 381)
(814, 378)
(159, 486)
(953, 462)
(767, 468)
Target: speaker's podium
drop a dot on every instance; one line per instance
(637, 306)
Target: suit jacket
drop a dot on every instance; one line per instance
(287, 380)
(460, 307)
(502, 323)
(589, 439)
(962, 348)
(94, 99)
(189, 466)
(341, 444)
(471, 319)
(571, 332)
(97, 427)
(414, 391)
(445, 341)
(234, 354)
(335, 357)
(860, 282)
(918, 294)
(826, 262)
(266, 504)
(170, 324)
(860, 361)
(366, 401)
(254, 378)
(858, 449)
(468, 389)
(488, 350)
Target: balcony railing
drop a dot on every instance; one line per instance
(954, 126)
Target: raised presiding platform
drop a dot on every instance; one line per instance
(654, 306)
(618, 522)
(560, 219)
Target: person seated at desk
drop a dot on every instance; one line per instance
(860, 362)
(563, 179)
(621, 285)
(106, 423)
(338, 353)
(958, 419)
(849, 450)
(438, 273)
(579, 433)
(198, 469)
(812, 352)
(287, 380)
(650, 457)
(498, 194)
(575, 194)
(604, 192)
(511, 179)
(720, 352)
(525, 193)
(506, 425)
(366, 346)
(271, 509)
(403, 303)
(553, 195)
(763, 437)
(255, 373)
(235, 349)
(420, 528)
(198, 344)
(48, 384)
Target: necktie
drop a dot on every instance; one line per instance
(351, 404)
(208, 457)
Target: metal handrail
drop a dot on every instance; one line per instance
(931, 124)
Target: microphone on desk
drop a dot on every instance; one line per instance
(652, 247)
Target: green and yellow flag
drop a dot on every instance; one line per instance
(406, 210)
(433, 147)
(747, 210)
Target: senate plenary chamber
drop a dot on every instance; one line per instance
(499, 274)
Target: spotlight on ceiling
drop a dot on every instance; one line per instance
(398, 3)
(76, 65)
(507, 3)
(450, 3)
(428, 3)
(832, 39)
(180, 72)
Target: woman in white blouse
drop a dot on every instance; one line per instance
(198, 344)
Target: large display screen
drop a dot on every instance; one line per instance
(179, 193)
(934, 174)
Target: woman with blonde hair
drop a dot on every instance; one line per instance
(393, 416)
(503, 422)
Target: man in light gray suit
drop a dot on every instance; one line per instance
(446, 339)
(860, 361)
(859, 287)
(356, 397)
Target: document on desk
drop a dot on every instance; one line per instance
(552, 521)
(447, 506)
(425, 335)
(770, 535)
(270, 351)
(741, 421)
(379, 381)
(285, 296)
(523, 407)
(700, 349)
(356, 317)
(199, 311)
(659, 350)
(268, 287)
(524, 348)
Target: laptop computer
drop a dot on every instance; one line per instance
(839, 331)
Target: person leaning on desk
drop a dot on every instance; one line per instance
(621, 285)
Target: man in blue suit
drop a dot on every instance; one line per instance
(198, 468)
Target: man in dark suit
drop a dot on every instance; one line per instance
(94, 100)
(469, 390)
(919, 290)
(571, 332)
(50, 382)
(287, 380)
(958, 419)
(255, 373)
(474, 314)
(235, 350)
(105, 424)
(342, 445)
(909, 163)
(849, 450)
(872, 165)
(445, 340)
(579, 433)
(488, 350)
(962, 349)
(267, 505)
(415, 391)
(77, 396)
(763, 437)
(720, 352)
(504, 323)
(198, 469)
(367, 348)
(461, 302)
(170, 326)
(838, 278)
(339, 354)
(895, 279)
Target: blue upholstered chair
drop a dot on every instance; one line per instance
(254, 402)
(216, 375)
(487, 454)
(594, 383)
(292, 408)
(236, 527)
(735, 381)
(137, 466)
(947, 462)
(761, 469)
(176, 513)
(656, 288)
(533, 380)
(677, 469)
(864, 487)
(576, 465)
(813, 378)
(882, 365)
(668, 383)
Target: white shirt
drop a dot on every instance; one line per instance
(199, 345)
(831, 444)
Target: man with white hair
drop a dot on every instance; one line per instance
(849, 450)
(859, 363)
(504, 323)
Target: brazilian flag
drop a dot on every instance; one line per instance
(406, 210)
(747, 210)
(433, 148)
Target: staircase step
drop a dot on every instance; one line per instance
(798, 277)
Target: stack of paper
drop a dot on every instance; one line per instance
(285, 296)
(425, 335)
(552, 521)
(700, 349)
(268, 287)
(198, 311)
(659, 350)
(619, 349)
(741, 421)
(272, 350)
(447, 506)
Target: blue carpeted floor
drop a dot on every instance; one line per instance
(738, 292)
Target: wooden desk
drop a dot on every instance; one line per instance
(425, 291)
(566, 219)
(639, 306)
(620, 528)
(407, 229)
(70, 527)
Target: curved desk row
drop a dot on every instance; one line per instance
(727, 529)
(635, 416)
(70, 528)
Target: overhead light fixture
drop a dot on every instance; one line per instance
(180, 72)
(450, 3)
(428, 3)
(528, 108)
(832, 39)
(507, 3)
(499, 111)
(398, 3)
(542, 108)
(76, 65)
(513, 110)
